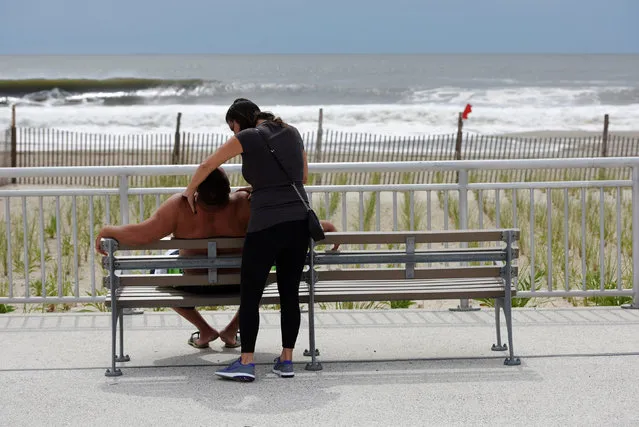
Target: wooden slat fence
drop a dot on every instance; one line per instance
(50, 147)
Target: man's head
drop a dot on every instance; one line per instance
(215, 189)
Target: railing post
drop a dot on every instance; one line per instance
(462, 175)
(318, 142)
(124, 199)
(635, 239)
(14, 142)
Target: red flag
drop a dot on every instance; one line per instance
(467, 111)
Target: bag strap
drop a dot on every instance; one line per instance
(272, 151)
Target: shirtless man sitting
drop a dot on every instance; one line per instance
(219, 213)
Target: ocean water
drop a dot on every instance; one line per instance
(382, 94)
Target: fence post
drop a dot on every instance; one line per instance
(318, 142)
(464, 304)
(175, 159)
(14, 141)
(635, 239)
(458, 141)
(604, 141)
(124, 199)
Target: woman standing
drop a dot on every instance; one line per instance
(278, 229)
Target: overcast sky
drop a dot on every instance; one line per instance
(319, 26)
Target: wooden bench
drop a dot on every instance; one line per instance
(370, 266)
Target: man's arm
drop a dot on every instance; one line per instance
(328, 227)
(161, 224)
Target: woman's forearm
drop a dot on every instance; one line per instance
(200, 175)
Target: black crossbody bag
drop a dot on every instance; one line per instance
(314, 226)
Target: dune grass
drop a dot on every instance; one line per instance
(585, 253)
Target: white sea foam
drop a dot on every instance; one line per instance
(419, 111)
(382, 119)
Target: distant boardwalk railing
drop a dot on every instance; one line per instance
(26, 147)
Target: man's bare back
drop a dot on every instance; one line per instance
(228, 221)
(174, 217)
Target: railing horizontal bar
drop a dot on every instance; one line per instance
(549, 184)
(52, 300)
(327, 188)
(53, 192)
(560, 294)
(431, 166)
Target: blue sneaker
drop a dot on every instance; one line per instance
(283, 368)
(238, 372)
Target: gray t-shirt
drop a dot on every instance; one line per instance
(273, 200)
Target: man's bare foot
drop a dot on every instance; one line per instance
(229, 337)
(203, 338)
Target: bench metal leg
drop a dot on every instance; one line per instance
(122, 357)
(508, 299)
(511, 360)
(499, 302)
(114, 371)
(464, 305)
(314, 365)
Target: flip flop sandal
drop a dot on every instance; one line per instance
(195, 336)
(236, 344)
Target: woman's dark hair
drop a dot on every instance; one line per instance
(246, 113)
(215, 189)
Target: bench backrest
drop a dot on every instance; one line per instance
(362, 256)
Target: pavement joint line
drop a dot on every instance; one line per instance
(352, 361)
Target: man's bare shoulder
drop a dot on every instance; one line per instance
(173, 206)
(241, 204)
(174, 202)
(239, 196)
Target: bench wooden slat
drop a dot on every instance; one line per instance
(399, 273)
(222, 243)
(408, 283)
(324, 292)
(342, 287)
(484, 250)
(186, 300)
(182, 279)
(450, 236)
(324, 275)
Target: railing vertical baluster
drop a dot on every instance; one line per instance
(91, 251)
(583, 238)
(566, 242)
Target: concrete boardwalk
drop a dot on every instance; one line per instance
(391, 367)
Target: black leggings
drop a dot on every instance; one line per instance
(284, 245)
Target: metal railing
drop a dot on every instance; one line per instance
(580, 239)
(52, 147)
